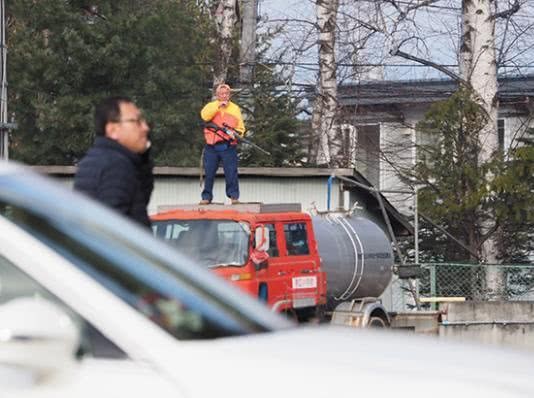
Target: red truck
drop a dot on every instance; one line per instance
(330, 267)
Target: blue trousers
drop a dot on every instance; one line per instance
(213, 155)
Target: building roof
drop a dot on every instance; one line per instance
(425, 91)
(194, 171)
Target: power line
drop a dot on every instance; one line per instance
(382, 65)
(343, 64)
(428, 6)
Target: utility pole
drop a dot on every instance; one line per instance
(247, 56)
(247, 51)
(4, 125)
(4, 135)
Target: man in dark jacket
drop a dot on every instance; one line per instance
(117, 169)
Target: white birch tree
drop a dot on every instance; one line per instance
(224, 15)
(478, 66)
(324, 119)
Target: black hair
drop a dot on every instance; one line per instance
(108, 111)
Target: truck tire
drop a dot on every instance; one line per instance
(290, 314)
(377, 322)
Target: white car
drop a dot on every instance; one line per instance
(93, 306)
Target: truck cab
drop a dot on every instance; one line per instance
(269, 251)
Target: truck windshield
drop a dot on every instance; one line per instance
(212, 243)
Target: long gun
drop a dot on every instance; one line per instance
(214, 128)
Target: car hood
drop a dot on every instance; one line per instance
(325, 361)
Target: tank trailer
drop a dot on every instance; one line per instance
(330, 267)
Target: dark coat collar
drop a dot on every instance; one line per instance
(108, 143)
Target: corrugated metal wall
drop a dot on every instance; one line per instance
(310, 192)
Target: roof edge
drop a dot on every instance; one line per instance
(195, 171)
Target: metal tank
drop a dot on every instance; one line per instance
(356, 255)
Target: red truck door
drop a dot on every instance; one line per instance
(271, 278)
(292, 277)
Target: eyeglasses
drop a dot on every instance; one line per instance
(139, 120)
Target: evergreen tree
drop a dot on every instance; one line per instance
(64, 58)
(456, 192)
(515, 205)
(453, 184)
(274, 128)
(271, 120)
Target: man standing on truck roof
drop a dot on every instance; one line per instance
(117, 169)
(221, 145)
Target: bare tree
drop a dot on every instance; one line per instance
(478, 66)
(224, 13)
(324, 123)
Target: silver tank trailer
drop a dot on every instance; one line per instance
(356, 256)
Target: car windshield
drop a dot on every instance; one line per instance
(129, 262)
(211, 243)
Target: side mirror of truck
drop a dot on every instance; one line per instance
(262, 238)
(259, 255)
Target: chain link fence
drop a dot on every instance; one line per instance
(472, 282)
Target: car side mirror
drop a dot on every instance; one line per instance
(37, 338)
(262, 238)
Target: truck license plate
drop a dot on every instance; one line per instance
(304, 282)
(304, 302)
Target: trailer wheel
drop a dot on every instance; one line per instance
(377, 323)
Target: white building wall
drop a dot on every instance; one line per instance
(397, 144)
(310, 192)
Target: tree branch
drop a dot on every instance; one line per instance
(288, 20)
(507, 13)
(394, 4)
(485, 236)
(422, 4)
(454, 239)
(452, 75)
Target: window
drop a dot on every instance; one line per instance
(16, 284)
(273, 243)
(368, 152)
(211, 243)
(296, 239)
(500, 134)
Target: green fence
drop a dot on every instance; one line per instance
(477, 281)
(473, 282)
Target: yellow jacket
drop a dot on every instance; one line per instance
(211, 109)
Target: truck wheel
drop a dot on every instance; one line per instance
(291, 314)
(377, 322)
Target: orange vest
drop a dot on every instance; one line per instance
(222, 120)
